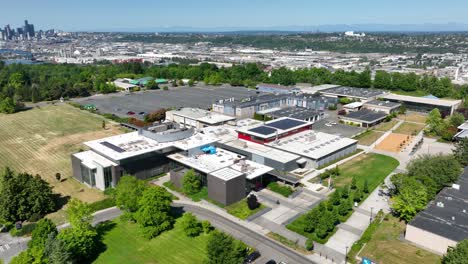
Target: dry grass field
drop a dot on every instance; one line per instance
(369, 137)
(410, 128)
(40, 141)
(393, 142)
(413, 117)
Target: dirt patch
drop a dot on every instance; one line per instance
(394, 142)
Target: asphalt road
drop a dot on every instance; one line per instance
(267, 248)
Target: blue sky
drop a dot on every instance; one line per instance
(106, 14)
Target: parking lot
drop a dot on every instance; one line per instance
(331, 126)
(200, 96)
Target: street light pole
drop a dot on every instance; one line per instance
(346, 256)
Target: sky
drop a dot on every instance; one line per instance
(143, 14)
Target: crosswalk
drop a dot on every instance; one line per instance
(4, 248)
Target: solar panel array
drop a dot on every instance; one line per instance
(113, 147)
(263, 130)
(285, 124)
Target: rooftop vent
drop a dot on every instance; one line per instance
(456, 186)
(440, 204)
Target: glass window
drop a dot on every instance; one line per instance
(107, 177)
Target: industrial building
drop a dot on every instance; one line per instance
(444, 222)
(421, 104)
(124, 84)
(358, 94)
(246, 108)
(305, 114)
(276, 88)
(364, 118)
(197, 118)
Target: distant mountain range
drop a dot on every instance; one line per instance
(427, 27)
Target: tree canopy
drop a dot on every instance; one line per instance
(191, 182)
(223, 249)
(128, 192)
(458, 254)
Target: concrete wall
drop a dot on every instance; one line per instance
(76, 168)
(176, 177)
(226, 192)
(428, 240)
(336, 155)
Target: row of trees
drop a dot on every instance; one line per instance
(425, 177)
(50, 81)
(75, 244)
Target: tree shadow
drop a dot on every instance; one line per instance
(177, 211)
(60, 201)
(102, 229)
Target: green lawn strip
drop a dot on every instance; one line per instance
(366, 236)
(241, 210)
(408, 128)
(289, 243)
(385, 245)
(108, 202)
(125, 244)
(371, 167)
(386, 126)
(281, 189)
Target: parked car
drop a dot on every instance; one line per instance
(271, 262)
(142, 113)
(252, 257)
(130, 113)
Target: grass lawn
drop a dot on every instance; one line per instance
(414, 117)
(125, 244)
(241, 210)
(284, 190)
(386, 126)
(385, 247)
(289, 243)
(373, 167)
(196, 197)
(40, 141)
(409, 128)
(369, 137)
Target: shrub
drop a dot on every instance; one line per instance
(207, 227)
(25, 230)
(281, 189)
(309, 245)
(252, 202)
(190, 225)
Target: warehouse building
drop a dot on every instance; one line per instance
(421, 104)
(304, 114)
(358, 94)
(444, 222)
(276, 88)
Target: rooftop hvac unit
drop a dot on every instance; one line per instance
(456, 186)
(440, 204)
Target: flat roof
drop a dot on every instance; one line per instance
(294, 112)
(353, 105)
(366, 115)
(312, 144)
(463, 126)
(272, 128)
(422, 100)
(315, 89)
(251, 169)
(132, 144)
(274, 86)
(208, 163)
(353, 92)
(226, 174)
(382, 103)
(202, 115)
(91, 159)
(450, 220)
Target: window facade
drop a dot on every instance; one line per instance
(107, 177)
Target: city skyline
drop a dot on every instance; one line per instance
(241, 15)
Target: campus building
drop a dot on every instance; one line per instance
(382, 106)
(357, 94)
(276, 88)
(444, 222)
(364, 118)
(424, 104)
(197, 118)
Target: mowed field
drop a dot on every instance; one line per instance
(40, 141)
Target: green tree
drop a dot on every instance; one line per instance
(457, 254)
(312, 219)
(191, 184)
(357, 195)
(353, 183)
(435, 122)
(456, 119)
(127, 192)
(24, 257)
(156, 116)
(345, 192)
(443, 169)
(461, 151)
(153, 214)
(207, 227)
(365, 188)
(411, 199)
(23, 196)
(335, 197)
(81, 238)
(56, 251)
(7, 106)
(41, 232)
(191, 226)
(383, 80)
(223, 249)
